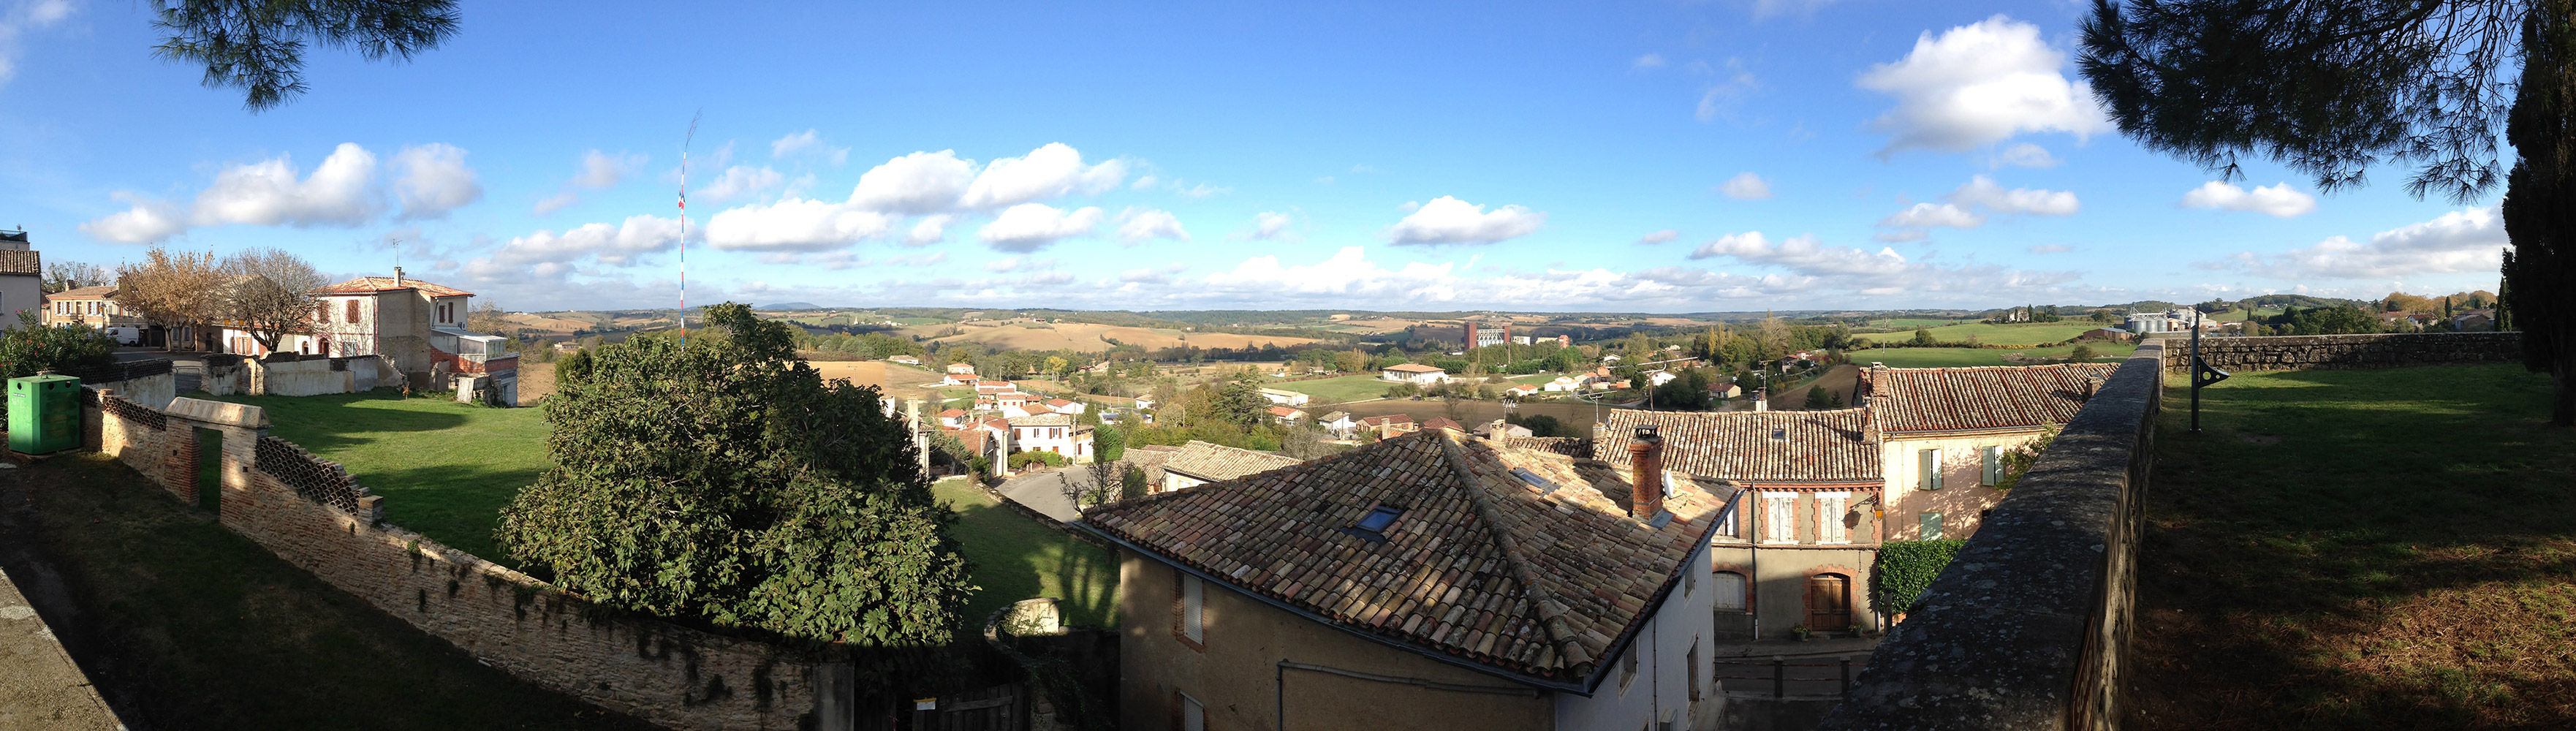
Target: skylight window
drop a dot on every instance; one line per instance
(1377, 520)
(1543, 484)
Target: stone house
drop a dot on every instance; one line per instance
(1801, 538)
(1434, 580)
(418, 326)
(1198, 463)
(1943, 432)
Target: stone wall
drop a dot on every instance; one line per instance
(2028, 628)
(310, 513)
(286, 374)
(2343, 352)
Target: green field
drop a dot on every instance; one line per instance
(445, 469)
(2013, 334)
(1954, 357)
(1339, 388)
(2363, 549)
(1911, 322)
(1015, 558)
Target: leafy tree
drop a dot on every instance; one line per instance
(257, 46)
(727, 481)
(33, 346)
(1688, 390)
(2082, 353)
(1923, 338)
(1107, 443)
(2332, 88)
(1239, 399)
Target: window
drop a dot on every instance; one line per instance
(1726, 523)
(1379, 518)
(353, 311)
(1692, 659)
(1628, 665)
(1931, 526)
(1543, 484)
(1779, 517)
(1730, 591)
(1193, 714)
(1193, 607)
(1829, 517)
(1993, 460)
(1690, 580)
(1928, 476)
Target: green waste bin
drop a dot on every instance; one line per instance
(44, 414)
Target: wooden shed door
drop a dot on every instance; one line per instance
(1828, 602)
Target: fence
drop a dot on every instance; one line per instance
(1778, 677)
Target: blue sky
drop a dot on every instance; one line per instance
(1657, 156)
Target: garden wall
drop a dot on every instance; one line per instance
(147, 382)
(312, 514)
(2343, 352)
(286, 374)
(2029, 626)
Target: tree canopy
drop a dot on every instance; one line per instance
(257, 46)
(726, 480)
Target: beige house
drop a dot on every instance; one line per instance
(1943, 433)
(1805, 532)
(419, 326)
(1433, 580)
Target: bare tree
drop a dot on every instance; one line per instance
(64, 276)
(269, 293)
(175, 289)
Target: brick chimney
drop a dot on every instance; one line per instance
(1646, 464)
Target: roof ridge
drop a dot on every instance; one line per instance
(1550, 612)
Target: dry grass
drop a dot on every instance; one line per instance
(2361, 550)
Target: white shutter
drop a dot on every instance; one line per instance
(1829, 517)
(1193, 714)
(1193, 607)
(1730, 591)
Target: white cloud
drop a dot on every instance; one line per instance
(807, 142)
(1721, 97)
(921, 182)
(1980, 84)
(1932, 215)
(1746, 186)
(929, 230)
(2050, 249)
(2278, 200)
(1152, 275)
(2466, 240)
(20, 18)
(1137, 225)
(739, 181)
(1017, 263)
(601, 170)
(146, 221)
(2025, 155)
(1201, 190)
(1447, 220)
(1052, 171)
(617, 244)
(1143, 183)
(1032, 226)
(1659, 237)
(1982, 191)
(794, 224)
(557, 202)
(340, 192)
(1648, 61)
(1270, 226)
(1874, 273)
(434, 180)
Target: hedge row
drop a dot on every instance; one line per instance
(1906, 568)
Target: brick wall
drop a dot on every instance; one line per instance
(2344, 352)
(651, 669)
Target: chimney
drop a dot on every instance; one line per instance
(1761, 399)
(1646, 464)
(398, 279)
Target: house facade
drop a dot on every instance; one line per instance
(1283, 397)
(1943, 433)
(22, 279)
(1413, 373)
(1049, 433)
(1430, 581)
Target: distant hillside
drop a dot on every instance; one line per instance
(790, 306)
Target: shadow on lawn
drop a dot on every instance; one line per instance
(337, 421)
(1013, 557)
(455, 504)
(2360, 549)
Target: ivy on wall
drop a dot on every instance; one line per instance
(1905, 569)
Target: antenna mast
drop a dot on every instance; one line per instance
(684, 225)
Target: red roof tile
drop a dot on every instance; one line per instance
(1982, 397)
(381, 284)
(1784, 446)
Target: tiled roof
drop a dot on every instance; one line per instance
(952, 413)
(380, 284)
(1335, 416)
(1059, 402)
(1386, 419)
(976, 440)
(1414, 368)
(1481, 568)
(21, 261)
(1218, 462)
(1437, 423)
(1982, 397)
(85, 293)
(1788, 446)
(1284, 412)
(1576, 447)
(1042, 420)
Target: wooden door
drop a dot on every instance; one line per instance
(1829, 602)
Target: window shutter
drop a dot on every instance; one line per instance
(1929, 473)
(1193, 607)
(1994, 463)
(1730, 592)
(1931, 526)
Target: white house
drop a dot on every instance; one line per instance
(959, 374)
(905, 359)
(1339, 423)
(1562, 383)
(1062, 406)
(1659, 378)
(1287, 414)
(1284, 397)
(1413, 373)
(1521, 391)
(1049, 433)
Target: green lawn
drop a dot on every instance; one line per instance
(2013, 334)
(1015, 558)
(1911, 322)
(185, 625)
(444, 468)
(1339, 388)
(1954, 357)
(2358, 550)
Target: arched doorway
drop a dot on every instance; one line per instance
(1828, 602)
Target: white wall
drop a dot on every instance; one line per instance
(1662, 688)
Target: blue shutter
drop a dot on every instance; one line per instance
(1994, 464)
(1931, 526)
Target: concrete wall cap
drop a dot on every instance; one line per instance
(218, 412)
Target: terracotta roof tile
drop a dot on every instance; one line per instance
(21, 261)
(99, 292)
(380, 284)
(1795, 446)
(1214, 462)
(1982, 397)
(1482, 566)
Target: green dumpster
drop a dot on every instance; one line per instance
(44, 414)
